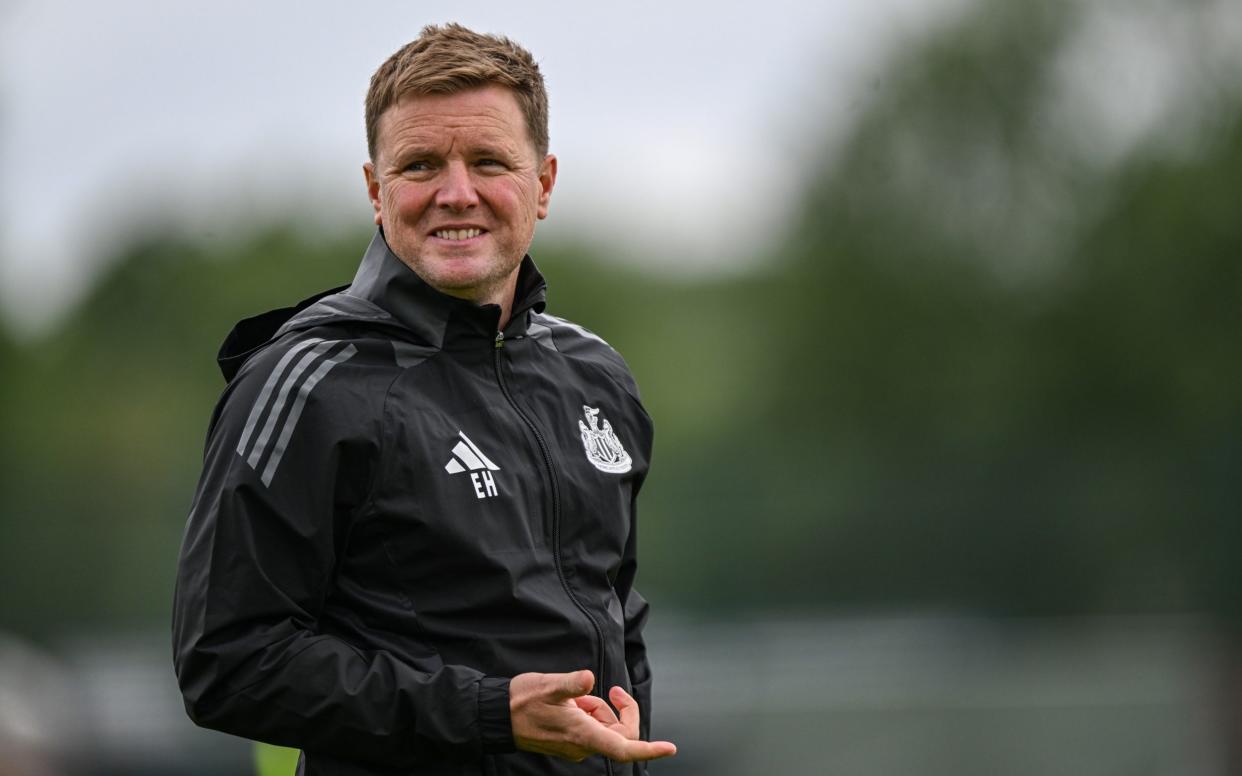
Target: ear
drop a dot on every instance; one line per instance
(547, 179)
(373, 190)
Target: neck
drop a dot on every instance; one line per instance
(386, 280)
(500, 295)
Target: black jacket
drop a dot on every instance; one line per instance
(399, 510)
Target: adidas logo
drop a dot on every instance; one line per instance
(468, 457)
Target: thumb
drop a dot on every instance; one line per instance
(576, 683)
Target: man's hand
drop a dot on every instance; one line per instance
(553, 714)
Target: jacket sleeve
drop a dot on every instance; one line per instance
(635, 609)
(289, 462)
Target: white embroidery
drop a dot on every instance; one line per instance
(603, 449)
(468, 456)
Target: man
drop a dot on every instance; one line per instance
(412, 548)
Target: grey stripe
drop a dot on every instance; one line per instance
(408, 355)
(541, 334)
(573, 327)
(283, 396)
(324, 367)
(257, 411)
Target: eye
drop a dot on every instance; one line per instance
(490, 162)
(418, 165)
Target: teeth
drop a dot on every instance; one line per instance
(458, 234)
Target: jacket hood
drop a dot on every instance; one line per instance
(386, 293)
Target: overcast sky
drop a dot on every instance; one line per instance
(679, 126)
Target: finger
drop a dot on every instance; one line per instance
(597, 708)
(627, 710)
(573, 684)
(624, 750)
(617, 747)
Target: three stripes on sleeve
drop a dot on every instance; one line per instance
(279, 405)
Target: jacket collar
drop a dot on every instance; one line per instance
(434, 317)
(387, 293)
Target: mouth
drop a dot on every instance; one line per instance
(459, 235)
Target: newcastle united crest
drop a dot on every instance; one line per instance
(603, 449)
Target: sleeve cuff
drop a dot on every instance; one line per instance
(495, 728)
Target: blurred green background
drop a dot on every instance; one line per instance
(991, 368)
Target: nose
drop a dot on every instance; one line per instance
(457, 189)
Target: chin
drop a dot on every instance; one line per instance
(456, 283)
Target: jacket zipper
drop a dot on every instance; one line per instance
(556, 525)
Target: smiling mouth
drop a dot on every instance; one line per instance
(457, 234)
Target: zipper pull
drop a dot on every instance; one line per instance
(500, 340)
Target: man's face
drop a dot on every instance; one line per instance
(457, 187)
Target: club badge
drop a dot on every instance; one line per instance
(603, 449)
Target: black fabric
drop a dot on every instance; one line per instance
(252, 333)
(398, 512)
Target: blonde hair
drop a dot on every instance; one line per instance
(453, 58)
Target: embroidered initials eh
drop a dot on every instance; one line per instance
(468, 457)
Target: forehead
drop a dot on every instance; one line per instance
(488, 115)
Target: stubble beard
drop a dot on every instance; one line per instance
(482, 289)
